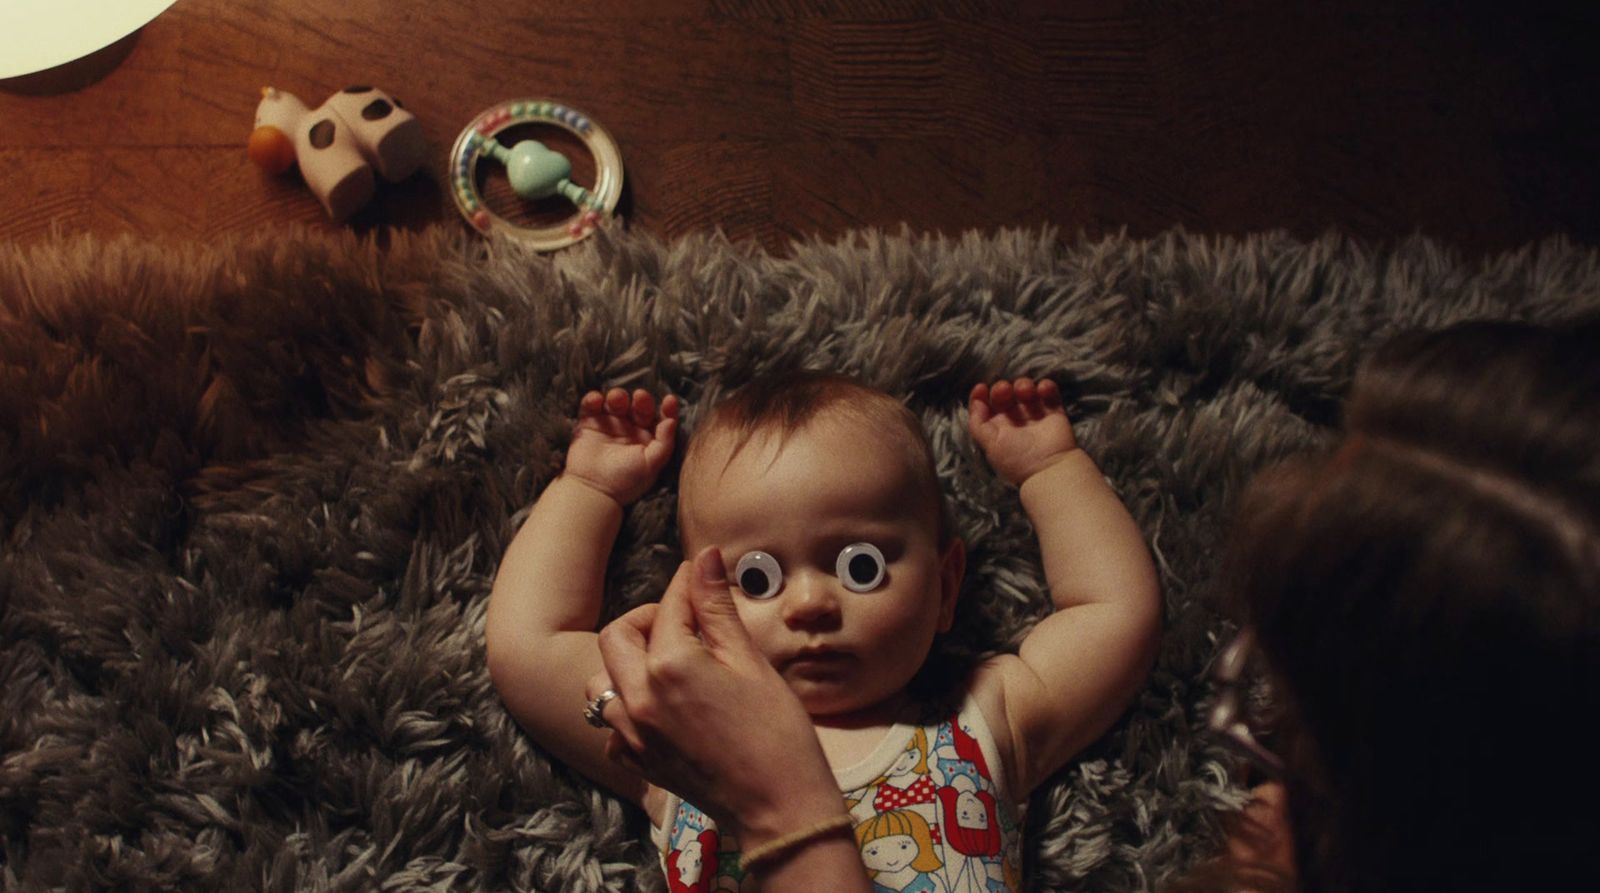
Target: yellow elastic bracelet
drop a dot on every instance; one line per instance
(774, 848)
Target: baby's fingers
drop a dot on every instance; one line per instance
(1032, 400)
(1035, 400)
(644, 409)
(1024, 391)
(1049, 394)
(617, 403)
(978, 409)
(592, 404)
(659, 450)
(1002, 396)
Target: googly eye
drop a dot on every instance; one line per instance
(759, 575)
(860, 567)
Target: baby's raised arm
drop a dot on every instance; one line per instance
(1079, 667)
(540, 630)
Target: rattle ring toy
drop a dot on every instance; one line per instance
(536, 171)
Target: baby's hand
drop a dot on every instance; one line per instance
(619, 444)
(1021, 427)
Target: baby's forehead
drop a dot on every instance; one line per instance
(719, 449)
(727, 461)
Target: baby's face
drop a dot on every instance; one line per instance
(833, 558)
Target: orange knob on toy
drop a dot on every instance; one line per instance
(271, 149)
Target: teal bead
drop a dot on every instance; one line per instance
(535, 170)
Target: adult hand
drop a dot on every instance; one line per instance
(703, 714)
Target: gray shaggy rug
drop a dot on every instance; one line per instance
(254, 494)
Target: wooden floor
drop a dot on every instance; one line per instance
(777, 119)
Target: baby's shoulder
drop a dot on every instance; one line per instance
(986, 691)
(993, 680)
(1039, 722)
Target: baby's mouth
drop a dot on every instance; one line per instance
(818, 660)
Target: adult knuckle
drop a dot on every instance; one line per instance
(661, 668)
(664, 667)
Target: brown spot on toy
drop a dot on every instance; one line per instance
(376, 110)
(322, 134)
(361, 89)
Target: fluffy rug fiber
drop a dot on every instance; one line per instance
(254, 495)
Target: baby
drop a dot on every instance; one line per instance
(820, 494)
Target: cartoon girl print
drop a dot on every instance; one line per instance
(908, 783)
(692, 867)
(898, 850)
(968, 759)
(971, 826)
(971, 822)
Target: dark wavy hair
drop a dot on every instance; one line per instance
(1427, 599)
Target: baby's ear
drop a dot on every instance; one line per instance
(952, 568)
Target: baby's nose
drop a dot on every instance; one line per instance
(810, 598)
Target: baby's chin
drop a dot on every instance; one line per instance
(846, 705)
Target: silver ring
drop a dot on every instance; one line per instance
(594, 711)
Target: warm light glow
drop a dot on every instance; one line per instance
(40, 34)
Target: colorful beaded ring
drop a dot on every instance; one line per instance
(536, 171)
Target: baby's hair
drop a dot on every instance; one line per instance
(784, 403)
(902, 822)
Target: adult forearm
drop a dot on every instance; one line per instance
(810, 847)
(829, 863)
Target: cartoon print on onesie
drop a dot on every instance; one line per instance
(973, 844)
(693, 862)
(898, 850)
(959, 754)
(908, 784)
(949, 788)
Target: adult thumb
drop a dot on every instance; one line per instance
(712, 603)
